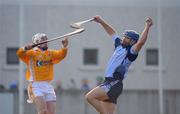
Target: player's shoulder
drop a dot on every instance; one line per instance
(131, 54)
(117, 40)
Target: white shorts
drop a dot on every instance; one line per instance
(44, 89)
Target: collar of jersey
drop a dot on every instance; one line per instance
(38, 49)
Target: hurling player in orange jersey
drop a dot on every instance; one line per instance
(40, 61)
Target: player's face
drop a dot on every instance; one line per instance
(44, 46)
(128, 41)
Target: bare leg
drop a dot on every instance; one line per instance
(109, 107)
(41, 105)
(30, 94)
(95, 96)
(51, 106)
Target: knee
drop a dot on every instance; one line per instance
(86, 97)
(89, 97)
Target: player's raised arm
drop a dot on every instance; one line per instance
(108, 28)
(144, 35)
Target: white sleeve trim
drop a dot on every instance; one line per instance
(132, 51)
(115, 36)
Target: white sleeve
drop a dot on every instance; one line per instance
(132, 51)
(115, 36)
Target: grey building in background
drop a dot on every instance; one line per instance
(89, 51)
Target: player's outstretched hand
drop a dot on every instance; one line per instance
(98, 19)
(149, 22)
(65, 42)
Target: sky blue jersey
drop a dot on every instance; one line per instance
(120, 60)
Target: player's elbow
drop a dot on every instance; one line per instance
(64, 55)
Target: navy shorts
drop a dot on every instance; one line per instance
(113, 87)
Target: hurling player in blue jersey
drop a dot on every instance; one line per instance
(104, 97)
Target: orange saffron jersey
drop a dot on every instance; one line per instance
(40, 63)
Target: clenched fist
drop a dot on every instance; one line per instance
(149, 22)
(65, 42)
(28, 46)
(98, 18)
